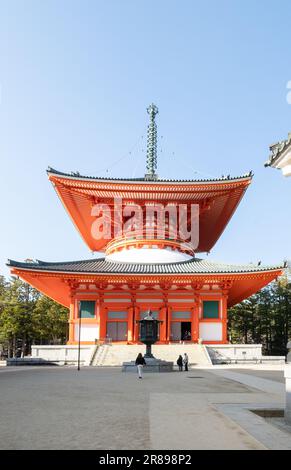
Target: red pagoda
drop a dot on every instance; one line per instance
(144, 228)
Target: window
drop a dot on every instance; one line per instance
(112, 315)
(116, 330)
(87, 309)
(176, 315)
(210, 309)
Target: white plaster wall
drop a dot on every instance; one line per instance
(210, 331)
(236, 351)
(148, 255)
(286, 170)
(287, 375)
(62, 353)
(88, 332)
(285, 163)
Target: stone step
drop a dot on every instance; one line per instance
(115, 355)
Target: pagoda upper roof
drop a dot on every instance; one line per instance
(217, 198)
(75, 175)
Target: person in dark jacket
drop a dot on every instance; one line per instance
(180, 362)
(140, 362)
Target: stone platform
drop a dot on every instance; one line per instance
(29, 361)
(152, 365)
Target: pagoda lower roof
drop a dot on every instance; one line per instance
(104, 266)
(56, 280)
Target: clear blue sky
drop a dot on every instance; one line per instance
(76, 78)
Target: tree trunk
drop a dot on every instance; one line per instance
(10, 348)
(23, 346)
(245, 333)
(14, 346)
(28, 348)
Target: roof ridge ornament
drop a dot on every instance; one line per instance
(151, 164)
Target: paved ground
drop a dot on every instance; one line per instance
(276, 375)
(61, 408)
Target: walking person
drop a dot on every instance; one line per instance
(185, 362)
(140, 362)
(180, 362)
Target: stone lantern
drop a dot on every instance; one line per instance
(149, 332)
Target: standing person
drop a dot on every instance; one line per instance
(185, 361)
(140, 362)
(180, 362)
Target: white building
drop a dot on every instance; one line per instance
(280, 156)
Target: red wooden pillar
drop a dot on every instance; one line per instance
(163, 326)
(133, 323)
(133, 317)
(97, 313)
(195, 320)
(197, 317)
(136, 325)
(130, 330)
(103, 317)
(71, 321)
(169, 316)
(224, 317)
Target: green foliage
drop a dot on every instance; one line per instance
(27, 317)
(50, 320)
(264, 318)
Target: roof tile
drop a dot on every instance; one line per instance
(76, 175)
(103, 265)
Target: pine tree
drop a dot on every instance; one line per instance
(50, 321)
(28, 317)
(264, 318)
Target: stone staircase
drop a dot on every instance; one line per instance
(116, 354)
(100, 356)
